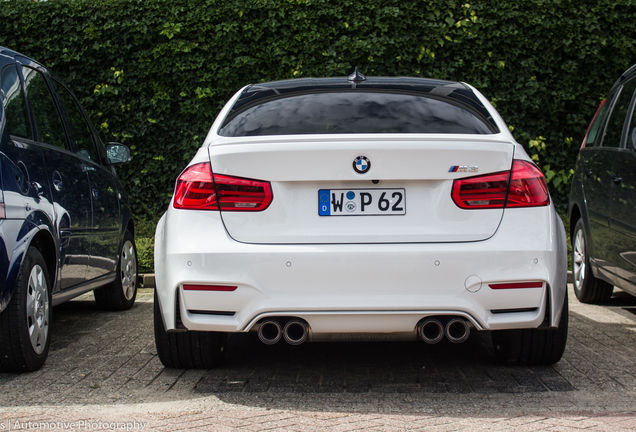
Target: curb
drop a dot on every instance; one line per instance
(146, 280)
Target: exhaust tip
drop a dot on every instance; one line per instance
(431, 331)
(269, 332)
(457, 330)
(295, 332)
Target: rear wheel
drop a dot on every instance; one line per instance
(121, 293)
(532, 346)
(25, 322)
(187, 349)
(588, 289)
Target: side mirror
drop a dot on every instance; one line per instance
(117, 153)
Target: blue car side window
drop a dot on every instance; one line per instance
(49, 124)
(80, 130)
(14, 104)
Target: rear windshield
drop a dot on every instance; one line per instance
(354, 112)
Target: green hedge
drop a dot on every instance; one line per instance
(154, 74)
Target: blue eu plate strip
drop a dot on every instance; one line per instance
(324, 206)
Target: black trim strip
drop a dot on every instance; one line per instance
(202, 312)
(502, 311)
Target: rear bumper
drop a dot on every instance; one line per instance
(361, 288)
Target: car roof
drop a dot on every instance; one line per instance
(625, 75)
(6, 56)
(7, 52)
(11, 53)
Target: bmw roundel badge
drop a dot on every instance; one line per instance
(361, 164)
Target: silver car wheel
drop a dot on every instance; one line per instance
(37, 309)
(579, 259)
(128, 266)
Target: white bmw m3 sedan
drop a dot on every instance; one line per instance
(354, 208)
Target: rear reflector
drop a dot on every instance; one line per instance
(189, 287)
(199, 189)
(517, 285)
(525, 186)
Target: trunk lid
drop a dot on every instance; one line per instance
(420, 170)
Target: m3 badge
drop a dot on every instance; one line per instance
(464, 168)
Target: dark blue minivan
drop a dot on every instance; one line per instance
(65, 224)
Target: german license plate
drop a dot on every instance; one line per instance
(361, 202)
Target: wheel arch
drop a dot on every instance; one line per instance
(40, 238)
(43, 242)
(130, 226)
(575, 215)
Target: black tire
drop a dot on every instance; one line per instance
(25, 330)
(532, 346)
(187, 349)
(587, 288)
(122, 292)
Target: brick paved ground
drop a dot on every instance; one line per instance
(103, 367)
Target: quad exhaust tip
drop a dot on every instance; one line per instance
(457, 330)
(269, 332)
(295, 332)
(433, 331)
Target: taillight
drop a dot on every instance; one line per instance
(239, 194)
(525, 186)
(487, 191)
(195, 189)
(199, 189)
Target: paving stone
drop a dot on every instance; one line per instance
(102, 364)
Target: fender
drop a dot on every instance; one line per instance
(12, 251)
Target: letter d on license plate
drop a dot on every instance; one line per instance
(361, 202)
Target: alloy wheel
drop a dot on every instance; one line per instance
(578, 264)
(128, 266)
(37, 309)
